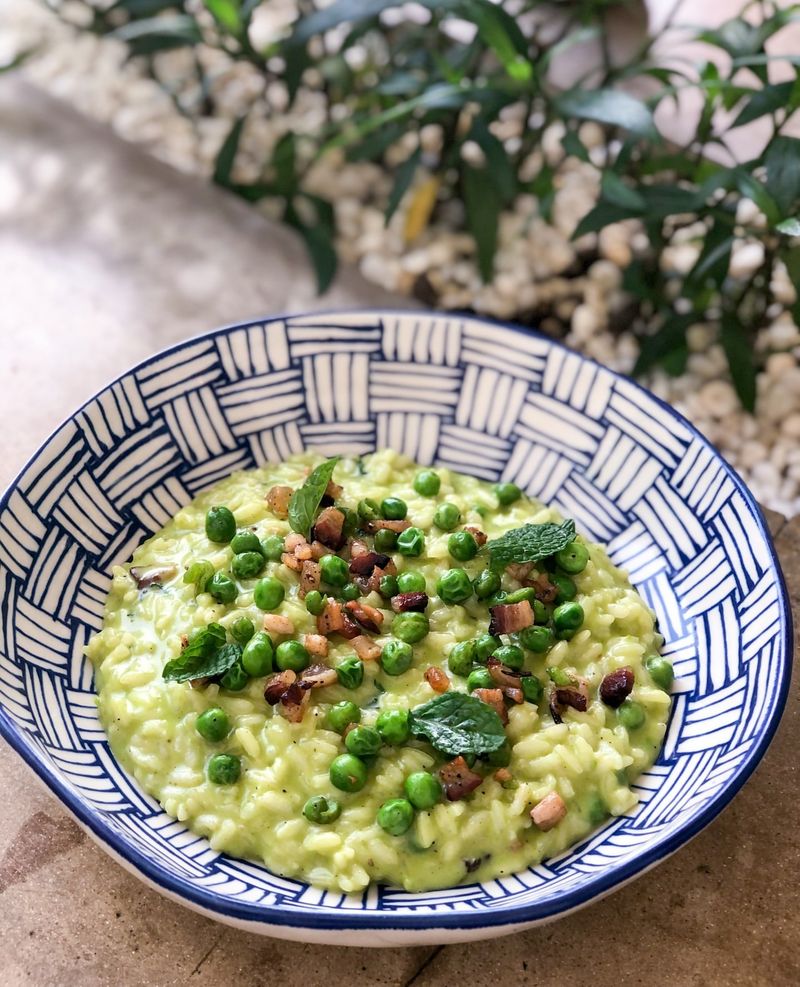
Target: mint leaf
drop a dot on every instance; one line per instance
(530, 543)
(455, 723)
(304, 504)
(206, 654)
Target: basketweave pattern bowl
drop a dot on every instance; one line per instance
(495, 401)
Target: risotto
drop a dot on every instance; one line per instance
(361, 670)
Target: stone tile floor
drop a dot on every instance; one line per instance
(106, 256)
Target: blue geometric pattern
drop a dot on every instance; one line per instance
(490, 400)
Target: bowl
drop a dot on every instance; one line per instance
(493, 400)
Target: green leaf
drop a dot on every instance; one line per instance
(574, 146)
(663, 200)
(317, 238)
(305, 502)
(456, 724)
(782, 161)
(296, 61)
(739, 351)
(669, 341)
(714, 260)
(205, 655)
(16, 60)
(402, 181)
(284, 164)
(499, 167)
(144, 8)
(608, 106)
(789, 227)
(339, 12)
(618, 193)
(530, 543)
(226, 13)
(226, 156)
(439, 96)
(144, 37)
(483, 207)
(752, 188)
(764, 101)
(501, 33)
(372, 148)
(602, 215)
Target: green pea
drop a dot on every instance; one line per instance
(567, 590)
(213, 724)
(532, 688)
(222, 588)
(496, 598)
(559, 677)
(501, 758)
(388, 586)
(242, 630)
(333, 570)
(315, 602)
(350, 591)
(461, 658)
(220, 525)
(485, 647)
(411, 542)
(479, 678)
(423, 790)
(291, 655)
(348, 773)
(341, 715)
(385, 540)
(258, 654)
(199, 574)
(447, 516)
(363, 741)
(630, 714)
(661, 671)
(566, 633)
(268, 593)
(393, 509)
(272, 548)
(235, 679)
(392, 725)
(396, 657)
(462, 546)
(247, 565)
(486, 583)
(396, 816)
(596, 810)
(568, 617)
(573, 558)
(427, 483)
(368, 509)
(224, 769)
(350, 672)
(540, 612)
(536, 639)
(410, 627)
(518, 595)
(245, 541)
(507, 493)
(454, 586)
(411, 582)
(511, 655)
(319, 809)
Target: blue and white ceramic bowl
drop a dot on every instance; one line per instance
(491, 400)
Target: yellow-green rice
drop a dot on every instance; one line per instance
(588, 759)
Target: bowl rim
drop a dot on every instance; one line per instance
(200, 899)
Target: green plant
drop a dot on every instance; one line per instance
(464, 68)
